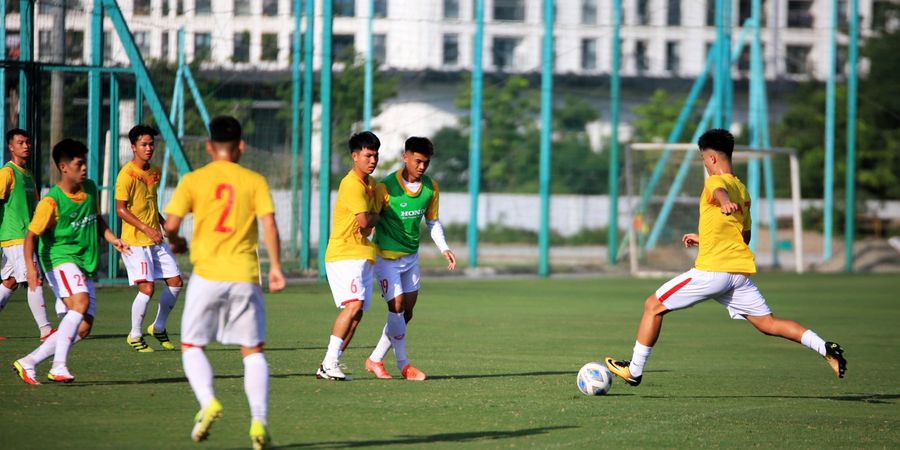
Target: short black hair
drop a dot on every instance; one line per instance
(224, 129)
(16, 132)
(421, 145)
(717, 139)
(366, 139)
(141, 130)
(68, 149)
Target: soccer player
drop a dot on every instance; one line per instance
(721, 271)
(18, 197)
(150, 258)
(224, 300)
(350, 255)
(403, 198)
(68, 222)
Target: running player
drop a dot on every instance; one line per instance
(350, 255)
(224, 300)
(722, 270)
(18, 197)
(68, 223)
(150, 258)
(403, 198)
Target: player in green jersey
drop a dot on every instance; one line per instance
(403, 198)
(68, 223)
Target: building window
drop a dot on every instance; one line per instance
(673, 60)
(381, 8)
(344, 8)
(841, 60)
(241, 53)
(165, 8)
(799, 14)
(202, 46)
(241, 7)
(589, 54)
(745, 11)
(451, 9)
(142, 42)
(509, 10)
(202, 7)
(270, 8)
(179, 7)
(107, 47)
(589, 12)
(797, 59)
(843, 12)
(44, 45)
(641, 14)
(269, 47)
(379, 48)
(451, 50)
(710, 13)
(141, 8)
(164, 46)
(883, 13)
(673, 14)
(503, 51)
(341, 44)
(640, 56)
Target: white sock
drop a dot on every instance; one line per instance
(138, 309)
(38, 309)
(256, 385)
(639, 358)
(199, 374)
(334, 349)
(380, 350)
(396, 331)
(813, 341)
(45, 350)
(167, 300)
(65, 337)
(5, 294)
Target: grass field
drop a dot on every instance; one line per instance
(502, 357)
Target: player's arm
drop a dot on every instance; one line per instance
(131, 219)
(690, 240)
(7, 181)
(725, 204)
(437, 235)
(171, 227)
(44, 219)
(110, 237)
(273, 247)
(31, 272)
(746, 236)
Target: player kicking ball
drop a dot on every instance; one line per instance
(68, 223)
(18, 197)
(402, 199)
(350, 255)
(224, 300)
(150, 259)
(721, 271)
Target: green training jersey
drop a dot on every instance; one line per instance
(74, 239)
(397, 232)
(18, 206)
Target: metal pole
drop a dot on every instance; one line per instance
(475, 134)
(3, 79)
(94, 94)
(295, 121)
(174, 111)
(850, 175)
(306, 181)
(612, 238)
(325, 162)
(727, 84)
(26, 47)
(828, 199)
(546, 132)
(138, 104)
(367, 90)
(112, 168)
(195, 93)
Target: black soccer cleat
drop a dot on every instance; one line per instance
(834, 355)
(620, 369)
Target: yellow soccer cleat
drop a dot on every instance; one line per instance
(620, 369)
(162, 337)
(204, 419)
(138, 344)
(26, 373)
(259, 436)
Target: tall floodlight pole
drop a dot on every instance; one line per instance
(295, 121)
(367, 85)
(546, 132)
(612, 238)
(475, 134)
(325, 161)
(828, 199)
(306, 182)
(850, 176)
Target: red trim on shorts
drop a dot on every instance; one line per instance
(674, 290)
(346, 302)
(141, 281)
(65, 282)
(185, 346)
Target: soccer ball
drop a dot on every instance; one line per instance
(594, 379)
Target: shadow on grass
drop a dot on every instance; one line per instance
(864, 398)
(496, 375)
(471, 436)
(171, 380)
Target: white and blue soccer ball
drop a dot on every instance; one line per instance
(594, 379)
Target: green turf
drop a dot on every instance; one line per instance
(502, 357)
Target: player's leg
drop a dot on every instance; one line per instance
(409, 280)
(164, 267)
(137, 264)
(350, 283)
(34, 294)
(199, 325)
(388, 279)
(7, 274)
(256, 387)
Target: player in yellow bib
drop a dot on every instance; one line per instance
(224, 300)
(722, 270)
(150, 258)
(350, 256)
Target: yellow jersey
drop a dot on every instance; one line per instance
(722, 247)
(138, 189)
(354, 196)
(226, 200)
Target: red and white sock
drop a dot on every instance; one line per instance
(199, 374)
(138, 310)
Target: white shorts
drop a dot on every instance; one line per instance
(228, 312)
(734, 291)
(14, 263)
(350, 280)
(67, 280)
(150, 263)
(397, 276)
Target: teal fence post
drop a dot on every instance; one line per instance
(546, 133)
(325, 161)
(295, 122)
(138, 104)
(26, 53)
(3, 79)
(850, 175)
(475, 134)
(367, 81)
(112, 168)
(828, 198)
(612, 237)
(306, 182)
(95, 97)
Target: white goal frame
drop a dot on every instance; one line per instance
(741, 153)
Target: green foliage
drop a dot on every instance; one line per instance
(656, 118)
(502, 234)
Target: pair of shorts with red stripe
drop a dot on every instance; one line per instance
(736, 292)
(67, 280)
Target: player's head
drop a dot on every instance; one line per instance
(364, 151)
(225, 140)
(18, 141)
(143, 141)
(70, 156)
(417, 156)
(716, 146)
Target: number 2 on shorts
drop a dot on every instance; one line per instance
(229, 189)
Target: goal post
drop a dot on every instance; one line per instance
(649, 209)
